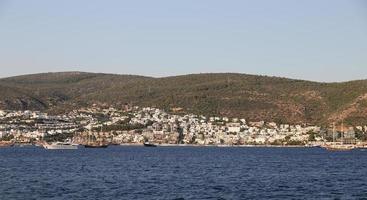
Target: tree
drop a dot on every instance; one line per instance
(311, 136)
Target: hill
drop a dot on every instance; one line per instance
(234, 95)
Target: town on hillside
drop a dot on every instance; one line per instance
(136, 125)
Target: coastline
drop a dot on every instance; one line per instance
(184, 145)
(222, 146)
(198, 145)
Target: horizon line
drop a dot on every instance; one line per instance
(177, 75)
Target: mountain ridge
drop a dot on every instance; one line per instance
(247, 96)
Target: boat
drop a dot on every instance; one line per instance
(6, 144)
(39, 144)
(339, 147)
(148, 144)
(60, 145)
(95, 144)
(362, 147)
(23, 144)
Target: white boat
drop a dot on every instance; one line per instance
(60, 145)
(339, 147)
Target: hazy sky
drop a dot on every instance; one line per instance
(323, 40)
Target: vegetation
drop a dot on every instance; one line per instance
(361, 135)
(121, 127)
(58, 137)
(233, 95)
(7, 138)
(312, 136)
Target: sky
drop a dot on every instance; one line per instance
(319, 40)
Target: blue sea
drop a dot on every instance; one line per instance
(126, 172)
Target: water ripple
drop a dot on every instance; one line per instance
(182, 173)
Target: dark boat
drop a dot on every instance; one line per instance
(147, 144)
(96, 145)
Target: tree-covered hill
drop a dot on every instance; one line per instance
(234, 95)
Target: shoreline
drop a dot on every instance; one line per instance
(180, 145)
(222, 146)
(197, 145)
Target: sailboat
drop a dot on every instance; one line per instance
(339, 146)
(95, 144)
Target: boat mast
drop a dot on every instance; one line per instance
(89, 135)
(342, 134)
(333, 132)
(101, 133)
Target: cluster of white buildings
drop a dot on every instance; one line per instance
(138, 125)
(195, 129)
(27, 126)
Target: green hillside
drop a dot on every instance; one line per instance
(234, 95)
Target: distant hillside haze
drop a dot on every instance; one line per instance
(251, 97)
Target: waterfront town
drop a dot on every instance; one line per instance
(135, 125)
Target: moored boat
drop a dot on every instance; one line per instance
(96, 145)
(361, 146)
(339, 147)
(148, 144)
(6, 144)
(60, 145)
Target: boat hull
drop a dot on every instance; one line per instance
(149, 145)
(339, 147)
(60, 147)
(95, 146)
